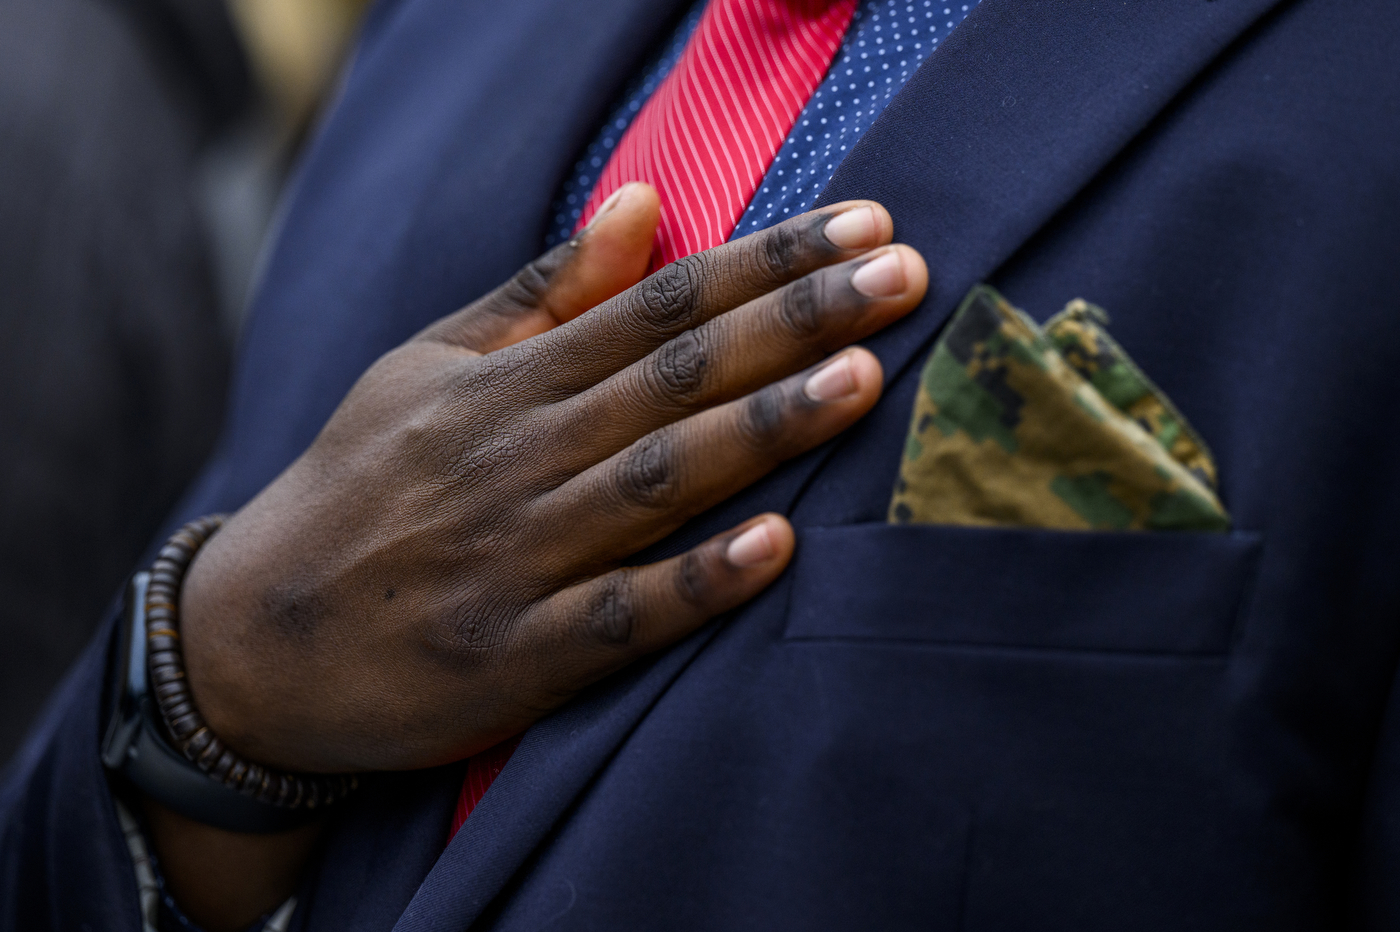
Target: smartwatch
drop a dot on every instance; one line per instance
(135, 745)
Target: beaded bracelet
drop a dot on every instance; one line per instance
(183, 723)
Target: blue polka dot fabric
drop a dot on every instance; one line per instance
(886, 42)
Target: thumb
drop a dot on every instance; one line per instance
(605, 258)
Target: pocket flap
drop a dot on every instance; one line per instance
(1140, 592)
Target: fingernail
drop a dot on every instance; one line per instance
(880, 278)
(852, 230)
(832, 381)
(752, 547)
(606, 206)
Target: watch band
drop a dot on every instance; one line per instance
(135, 745)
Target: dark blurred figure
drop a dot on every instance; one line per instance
(113, 336)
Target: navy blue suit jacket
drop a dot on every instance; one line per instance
(916, 727)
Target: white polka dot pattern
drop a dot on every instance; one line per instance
(886, 42)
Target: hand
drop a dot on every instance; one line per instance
(443, 565)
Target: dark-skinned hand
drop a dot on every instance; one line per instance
(443, 565)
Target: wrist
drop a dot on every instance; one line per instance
(249, 675)
(228, 681)
(159, 738)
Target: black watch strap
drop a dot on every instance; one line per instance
(135, 745)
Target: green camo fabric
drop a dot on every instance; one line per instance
(1050, 428)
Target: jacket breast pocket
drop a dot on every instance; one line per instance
(1170, 593)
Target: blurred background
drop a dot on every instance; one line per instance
(143, 148)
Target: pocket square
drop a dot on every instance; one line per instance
(1050, 428)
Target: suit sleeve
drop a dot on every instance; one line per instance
(64, 863)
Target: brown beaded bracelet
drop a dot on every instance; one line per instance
(183, 723)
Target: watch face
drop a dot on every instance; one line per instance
(134, 660)
(126, 677)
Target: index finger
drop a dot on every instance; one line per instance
(695, 289)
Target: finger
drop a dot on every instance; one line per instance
(609, 256)
(739, 352)
(583, 633)
(644, 492)
(687, 293)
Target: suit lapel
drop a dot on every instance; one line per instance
(1026, 102)
(1023, 106)
(430, 184)
(555, 761)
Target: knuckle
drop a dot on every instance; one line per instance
(800, 307)
(692, 579)
(762, 421)
(782, 248)
(493, 372)
(497, 389)
(609, 615)
(669, 298)
(468, 633)
(529, 286)
(489, 377)
(678, 368)
(476, 464)
(647, 475)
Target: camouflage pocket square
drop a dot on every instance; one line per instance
(1051, 427)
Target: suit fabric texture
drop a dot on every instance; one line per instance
(917, 726)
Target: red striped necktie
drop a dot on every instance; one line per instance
(704, 140)
(707, 135)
